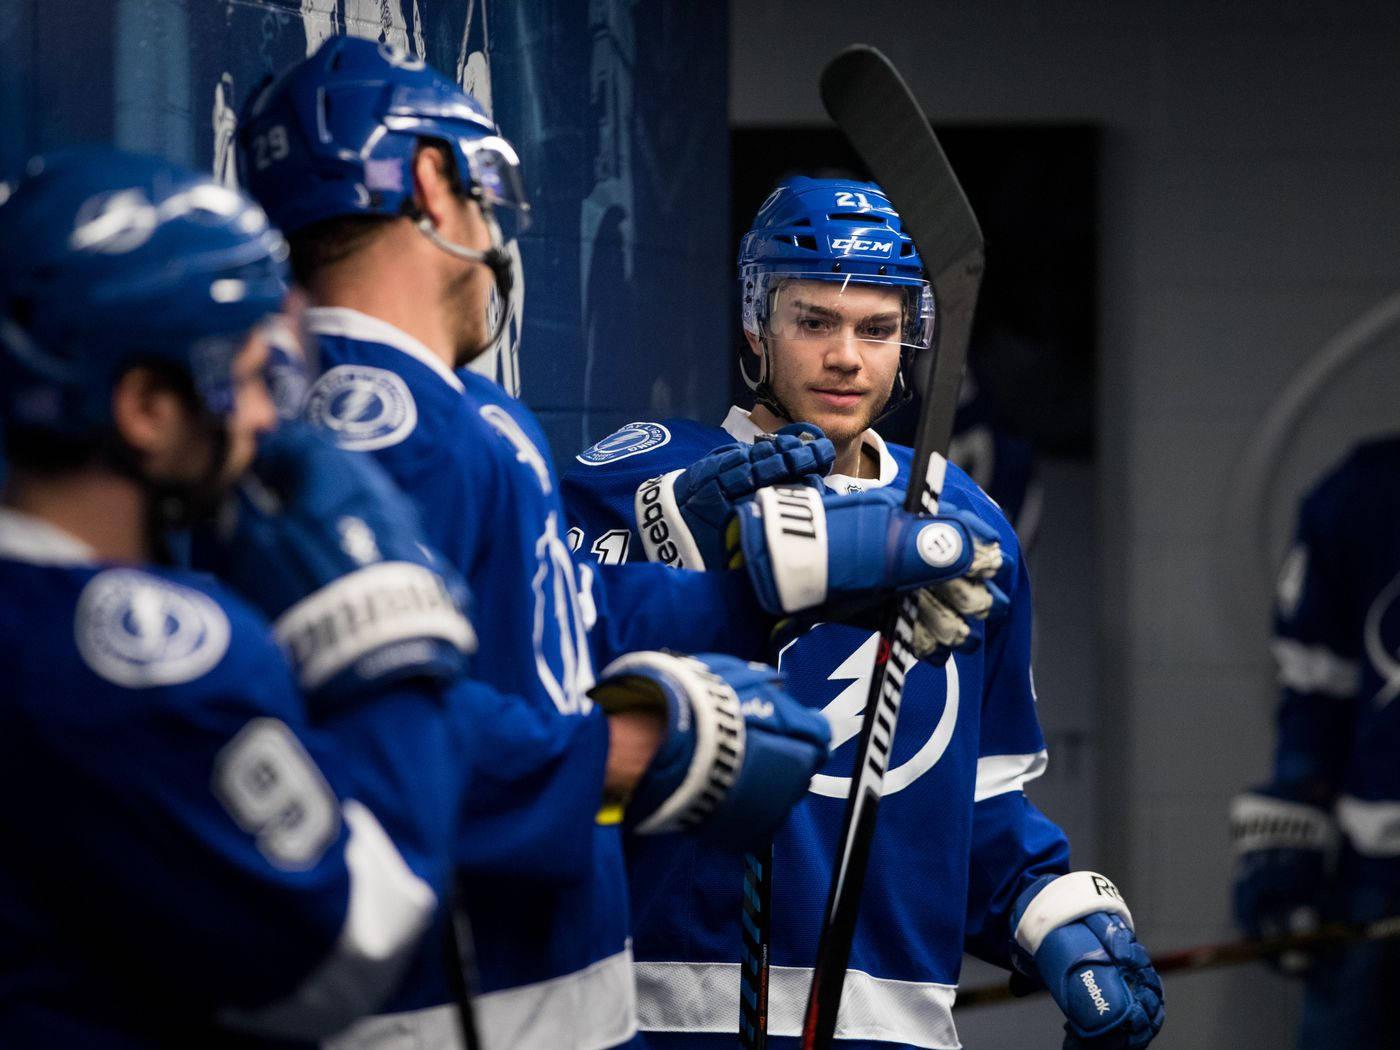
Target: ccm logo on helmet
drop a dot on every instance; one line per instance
(861, 244)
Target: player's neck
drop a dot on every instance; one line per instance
(104, 510)
(392, 280)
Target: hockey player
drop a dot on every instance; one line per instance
(1320, 842)
(834, 305)
(400, 199)
(186, 856)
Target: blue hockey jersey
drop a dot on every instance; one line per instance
(183, 851)
(1337, 646)
(957, 839)
(555, 961)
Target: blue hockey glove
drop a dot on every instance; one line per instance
(1075, 934)
(681, 516)
(1283, 850)
(804, 549)
(322, 542)
(737, 753)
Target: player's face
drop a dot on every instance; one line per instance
(835, 351)
(468, 289)
(253, 410)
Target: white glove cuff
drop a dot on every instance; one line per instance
(713, 707)
(391, 601)
(794, 531)
(1068, 898)
(665, 537)
(1262, 822)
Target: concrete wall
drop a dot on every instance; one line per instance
(1250, 212)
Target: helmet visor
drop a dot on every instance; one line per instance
(821, 306)
(495, 176)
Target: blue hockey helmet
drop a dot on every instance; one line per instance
(111, 258)
(829, 230)
(336, 135)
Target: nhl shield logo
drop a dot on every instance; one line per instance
(138, 630)
(362, 408)
(631, 440)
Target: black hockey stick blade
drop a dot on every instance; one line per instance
(869, 101)
(871, 104)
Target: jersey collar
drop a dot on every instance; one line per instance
(351, 324)
(26, 538)
(742, 428)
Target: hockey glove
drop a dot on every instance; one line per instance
(737, 753)
(322, 542)
(1283, 849)
(1074, 933)
(803, 549)
(681, 516)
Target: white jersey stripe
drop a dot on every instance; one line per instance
(1315, 669)
(704, 997)
(998, 774)
(591, 1009)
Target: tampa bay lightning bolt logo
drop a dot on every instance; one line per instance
(138, 630)
(852, 680)
(362, 408)
(631, 440)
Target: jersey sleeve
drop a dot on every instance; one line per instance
(215, 850)
(1013, 843)
(1316, 640)
(531, 808)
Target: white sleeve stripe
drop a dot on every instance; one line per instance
(1315, 669)
(1372, 827)
(1068, 898)
(998, 774)
(388, 910)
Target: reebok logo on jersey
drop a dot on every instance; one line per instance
(863, 245)
(1095, 993)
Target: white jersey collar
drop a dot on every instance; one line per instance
(741, 427)
(26, 538)
(351, 324)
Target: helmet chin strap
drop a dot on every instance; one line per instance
(496, 259)
(763, 391)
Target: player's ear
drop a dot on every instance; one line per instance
(433, 184)
(755, 344)
(146, 411)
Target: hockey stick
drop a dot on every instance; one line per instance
(460, 956)
(755, 935)
(1225, 953)
(869, 101)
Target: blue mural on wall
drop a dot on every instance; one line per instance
(617, 108)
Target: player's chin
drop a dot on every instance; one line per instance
(840, 424)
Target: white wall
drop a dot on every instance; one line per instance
(1250, 211)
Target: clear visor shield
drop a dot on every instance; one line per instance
(820, 307)
(495, 173)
